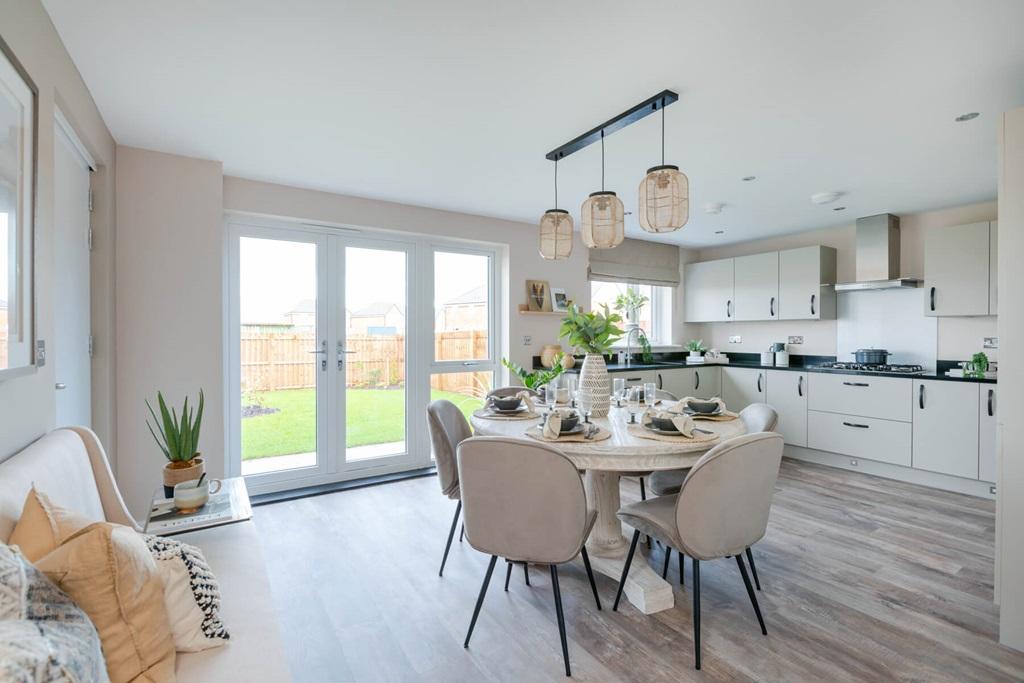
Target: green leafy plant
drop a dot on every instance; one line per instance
(631, 301)
(645, 346)
(537, 378)
(696, 345)
(593, 332)
(178, 438)
(979, 362)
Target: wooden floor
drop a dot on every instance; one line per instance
(865, 579)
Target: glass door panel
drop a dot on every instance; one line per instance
(462, 287)
(280, 355)
(373, 352)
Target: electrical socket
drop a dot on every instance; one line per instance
(735, 339)
(990, 342)
(796, 339)
(527, 340)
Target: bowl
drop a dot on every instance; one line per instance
(664, 424)
(703, 407)
(569, 420)
(506, 402)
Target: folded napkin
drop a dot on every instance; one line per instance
(527, 398)
(683, 403)
(684, 423)
(552, 426)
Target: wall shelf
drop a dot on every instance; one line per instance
(558, 313)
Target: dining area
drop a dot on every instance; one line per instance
(536, 477)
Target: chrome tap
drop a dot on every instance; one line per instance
(629, 344)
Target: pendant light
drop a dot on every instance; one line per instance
(664, 202)
(601, 224)
(556, 230)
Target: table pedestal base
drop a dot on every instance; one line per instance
(648, 592)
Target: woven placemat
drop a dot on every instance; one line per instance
(724, 416)
(488, 415)
(538, 433)
(641, 433)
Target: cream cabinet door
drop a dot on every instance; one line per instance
(956, 270)
(946, 427)
(806, 279)
(987, 433)
(743, 386)
(708, 291)
(701, 381)
(787, 394)
(756, 281)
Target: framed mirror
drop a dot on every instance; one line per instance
(17, 195)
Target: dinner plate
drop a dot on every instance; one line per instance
(693, 413)
(514, 411)
(674, 432)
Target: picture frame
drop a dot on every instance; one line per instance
(559, 300)
(538, 296)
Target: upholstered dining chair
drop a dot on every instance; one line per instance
(524, 501)
(448, 428)
(721, 509)
(661, 395)
(757, 417)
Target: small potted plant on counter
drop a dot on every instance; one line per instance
(594, 333)
(696, 348)
(178, 439)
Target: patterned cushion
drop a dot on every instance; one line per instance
(44, 636)
(191, 593)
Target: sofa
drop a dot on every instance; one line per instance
(71, 467)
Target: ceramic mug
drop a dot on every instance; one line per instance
(188, 496)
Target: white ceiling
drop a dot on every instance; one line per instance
(453, 103)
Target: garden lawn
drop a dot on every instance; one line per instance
(374, 416)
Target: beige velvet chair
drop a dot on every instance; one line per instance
(721, 510)
(448, 428)
(524, 501)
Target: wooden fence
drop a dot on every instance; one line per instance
(286, 360)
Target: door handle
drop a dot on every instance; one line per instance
(341, 355)
(931, 296)
(323, 352)
(813, 296)
(771, 308)
(759, 377)
(728, 308)
(634, 379)
(61, 385)
(991, 396)
(659, 380)
(696, 375)
(920, 396)
(856, 384)
(800, 386)
(858, 426)
(469, 363)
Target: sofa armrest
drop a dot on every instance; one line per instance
(114, 508)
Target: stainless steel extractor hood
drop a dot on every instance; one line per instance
(878, 255)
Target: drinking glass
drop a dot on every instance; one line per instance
(633, 403)
(586, 405)
(618, 389)
(550, 395)
(650, 394)
(570, 383)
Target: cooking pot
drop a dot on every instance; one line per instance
(871, 356)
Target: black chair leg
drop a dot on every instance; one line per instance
(696, 612)
(561, 618)
(682, 566)
(668, 558)
(590, 575)
(750, 592)
(451, 535)
(753, 569)
(480, 599)
(526, 572)
(625, 570)
(462, 532)
(508, 574)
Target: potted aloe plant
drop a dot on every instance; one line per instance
(593, 333)
(178, 439)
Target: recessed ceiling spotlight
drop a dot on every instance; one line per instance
(970, 116)
(714, 207)
(719, 232)
(748, 178)
(839, 208)
(825, 197)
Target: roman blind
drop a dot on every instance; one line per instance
(636, 261)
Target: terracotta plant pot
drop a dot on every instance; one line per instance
(177, 472)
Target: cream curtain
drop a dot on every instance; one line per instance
(636, 261)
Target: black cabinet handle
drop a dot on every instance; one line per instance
(920, 396)
(931, 297)
(813, 297)
(991, 408)
(771, 308)
(800, 386)
(856, 384)
(728, 308)
(858, 426)
(634, 379)
(659, 380)
(759, 376)
(696, 374)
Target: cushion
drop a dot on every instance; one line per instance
(43, 526)
(191, 595)
(44, 636)
(108, 571)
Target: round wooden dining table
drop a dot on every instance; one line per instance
(604, 462)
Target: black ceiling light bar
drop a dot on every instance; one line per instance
(631, 115)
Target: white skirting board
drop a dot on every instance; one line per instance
(934, 480)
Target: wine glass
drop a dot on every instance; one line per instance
(586, 405)
(650, 394)
(633, 403)
(550, 395)
(570, 382)
(618, 389)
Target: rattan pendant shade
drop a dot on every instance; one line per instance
(601, 223)
(664, 202)
(556, 235)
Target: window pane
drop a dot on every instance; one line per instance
(461, 306)
(465, 389)
(608, 292)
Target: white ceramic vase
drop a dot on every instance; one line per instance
(594, 383)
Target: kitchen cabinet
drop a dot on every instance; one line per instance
(956, 270)
(756, 287)
(787, 393)
(860, 437)
(946, 427)
(708, 291)
(993, 268)
(806, 283)
(637, 377)
(702, 381)
(743, 386)
(987, 432)
(887, 398)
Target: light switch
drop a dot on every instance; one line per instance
(796, 339)
(735, 339)
(991, 342)
(527, 340)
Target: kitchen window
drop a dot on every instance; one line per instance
(655, 316)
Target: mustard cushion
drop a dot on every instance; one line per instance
(43, 526)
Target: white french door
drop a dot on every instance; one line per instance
(336, 347)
